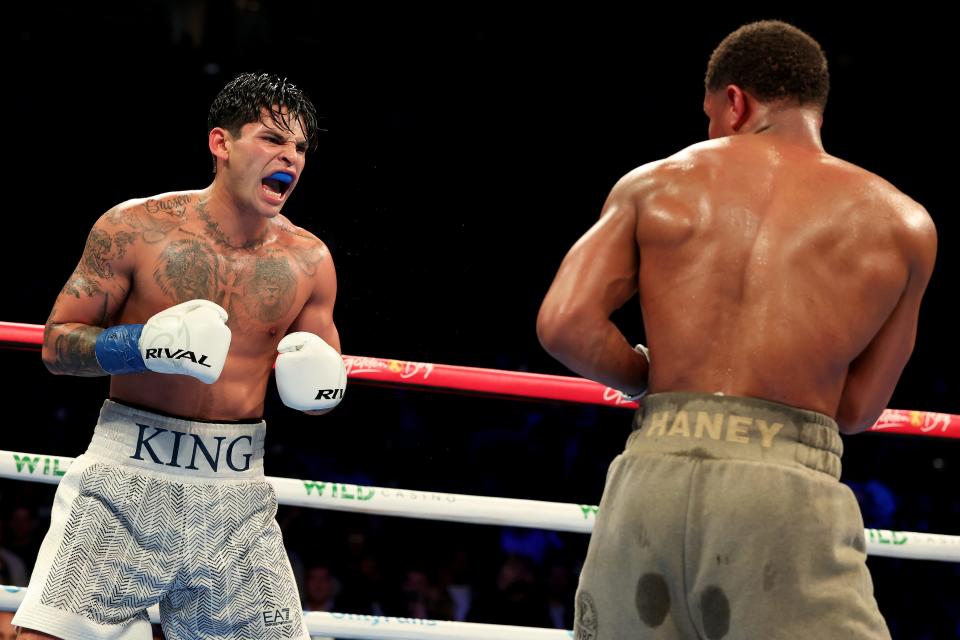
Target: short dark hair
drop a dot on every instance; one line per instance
(242, 100)
(772, 60)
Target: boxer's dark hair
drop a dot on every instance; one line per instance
(244, 98)
(772, 60)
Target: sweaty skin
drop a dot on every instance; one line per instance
(228, 244)
(765, 268)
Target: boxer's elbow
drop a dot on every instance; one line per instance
(557, 327)
(50, 360)
(850, 426)
(853, 417)
(56, 351)
(549, 327)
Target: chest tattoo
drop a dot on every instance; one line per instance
(269, 288)
(188, 269)
(253, 289)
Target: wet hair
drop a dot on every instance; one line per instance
(242, 100)
(772, 60)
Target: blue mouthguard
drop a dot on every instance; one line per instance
(280, 176)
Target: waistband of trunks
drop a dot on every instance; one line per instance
(178, 448)
(708, 426)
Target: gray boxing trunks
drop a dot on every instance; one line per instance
(724, 518)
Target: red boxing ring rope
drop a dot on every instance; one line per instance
(517, 384)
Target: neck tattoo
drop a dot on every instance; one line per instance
(217, 234)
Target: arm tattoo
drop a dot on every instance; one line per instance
(75, 350)
(96, 255)
(78, 284)
(94, 266)
(124, 239)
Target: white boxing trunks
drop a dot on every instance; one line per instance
(162, 510)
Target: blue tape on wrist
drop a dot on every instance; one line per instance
(118, 349)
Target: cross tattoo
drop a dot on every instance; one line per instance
(229, 287)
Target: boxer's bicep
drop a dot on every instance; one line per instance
(317, 313)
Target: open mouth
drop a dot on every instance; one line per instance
(276, 185)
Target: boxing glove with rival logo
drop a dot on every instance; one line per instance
(310, 373)
(191, 338)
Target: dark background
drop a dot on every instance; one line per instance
(466, 151)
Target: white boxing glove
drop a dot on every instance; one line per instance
(191, 338)
(310, 373)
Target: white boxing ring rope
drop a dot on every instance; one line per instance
(466, 508)
(456, 507)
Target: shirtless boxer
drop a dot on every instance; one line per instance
(198, 291)
(780, 288)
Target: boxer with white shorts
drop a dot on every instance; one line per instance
(186, 299)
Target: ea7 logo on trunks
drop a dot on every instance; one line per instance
(329, 394)
(176, 354)
(170, 448)
(276, 617)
